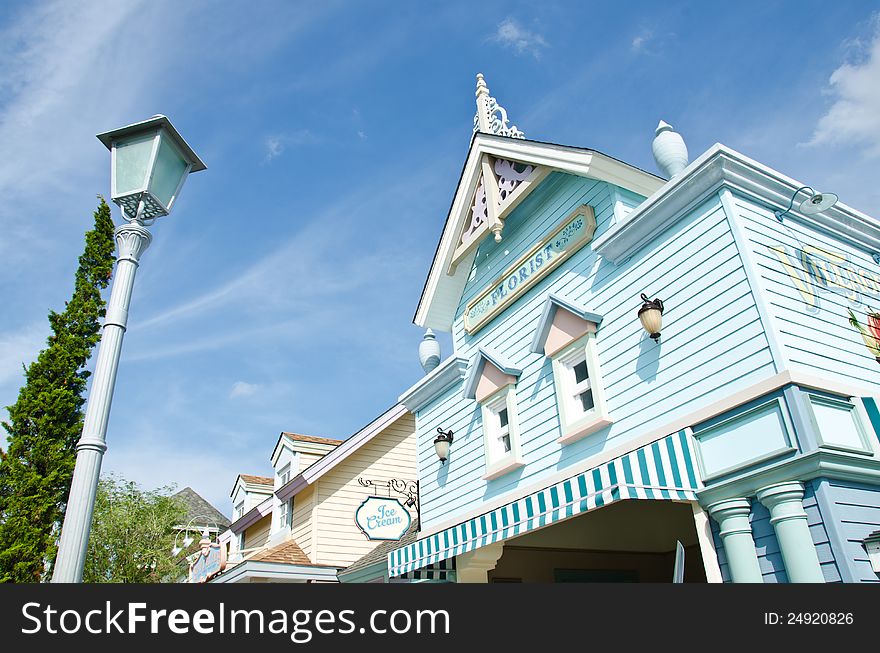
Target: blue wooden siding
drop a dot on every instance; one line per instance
(767, 546)
(712, 346)
(855, 510)
(821, 343)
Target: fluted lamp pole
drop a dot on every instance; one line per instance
(149, 163)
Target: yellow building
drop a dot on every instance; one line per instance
(299, 524)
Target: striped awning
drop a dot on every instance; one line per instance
(661, 470)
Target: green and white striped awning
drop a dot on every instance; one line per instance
(661, 470)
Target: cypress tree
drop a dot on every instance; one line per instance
(46, 421)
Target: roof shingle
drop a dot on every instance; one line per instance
(257, 480)
(299, 437)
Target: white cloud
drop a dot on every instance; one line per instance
(512, 35)
(276, 144)
(854, 116)
(243, 389)
(649, 42)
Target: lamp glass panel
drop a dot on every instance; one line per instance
(442, 449)
(132, 160)
(170, 169)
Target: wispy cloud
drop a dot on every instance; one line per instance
(854, 116)
(278, 143)
(511, 34)
(649, 42)
(243, 389)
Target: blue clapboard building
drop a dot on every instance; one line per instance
(592, 428)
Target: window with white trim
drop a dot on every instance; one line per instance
(501, 432)
(239, 509)
(284, 475)
(580, 395)
(285, 514)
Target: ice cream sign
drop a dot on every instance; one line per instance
(382, 518)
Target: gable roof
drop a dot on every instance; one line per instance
(553, 303)
(444, 285)
(307, 443)
(288, 553)
(200, 511)
(478, 362)
(256, 480)
(299, 437)
(317, 469)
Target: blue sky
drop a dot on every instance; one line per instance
(279, 294)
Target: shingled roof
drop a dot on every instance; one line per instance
(257, 480)
(287, 553)
(299, 437)
(200, 511)
(380, 553)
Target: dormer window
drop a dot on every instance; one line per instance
(239, 509)
(284, 475)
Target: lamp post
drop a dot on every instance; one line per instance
(149, 163)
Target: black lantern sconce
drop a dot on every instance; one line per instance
(651, 316)
(442, 443)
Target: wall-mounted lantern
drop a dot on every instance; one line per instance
(872, 546)
(815, 203)
(651, 316)
(442, 443)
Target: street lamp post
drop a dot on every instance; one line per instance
(149, 163)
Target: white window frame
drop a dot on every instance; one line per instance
(573, 421)
(239, 509)
(284, 475)
(499, 462)
(286, 510)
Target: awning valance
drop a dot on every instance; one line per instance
(661, 470)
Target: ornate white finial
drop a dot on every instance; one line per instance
(491, 117)
(429, 351)
(670, 152)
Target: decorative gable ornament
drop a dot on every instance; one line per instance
(491, 117)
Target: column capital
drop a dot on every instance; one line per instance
(779, 492)
(132, 239)
(783, 500)
(736, 507)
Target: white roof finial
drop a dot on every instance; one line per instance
(491, 117)
(670, 152)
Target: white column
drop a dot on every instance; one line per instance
(132, 240)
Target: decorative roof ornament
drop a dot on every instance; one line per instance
(429, 351)
(670, 152)
(491, 117)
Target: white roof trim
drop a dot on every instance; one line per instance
(554, 302)
(439, 299)
(441, 378)
(721, 166)
(317, 469)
